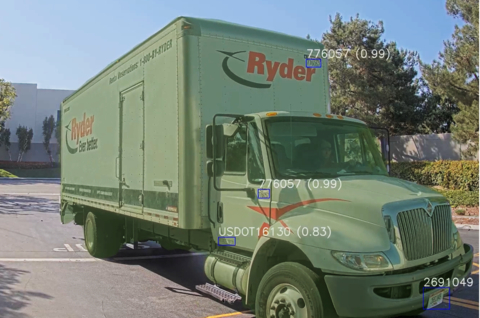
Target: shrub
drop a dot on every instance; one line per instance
(460, 211)
(453, 175)
(6, 174)
(460, 197)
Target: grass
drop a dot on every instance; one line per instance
(32, 173)
(6, 174)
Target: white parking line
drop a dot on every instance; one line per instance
(80, 247)
(68, 247)
(63, 260)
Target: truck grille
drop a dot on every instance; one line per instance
(424, 236)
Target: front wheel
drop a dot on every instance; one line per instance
(289, 290)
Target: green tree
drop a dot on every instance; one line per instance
(58, 131)
(380, 90)
(455, 76)
(436, 112)
(48, 128)
(7, 97)
(5, 138)
(25, 136)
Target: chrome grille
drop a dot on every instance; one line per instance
(423, 236)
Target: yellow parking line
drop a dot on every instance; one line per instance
(462, 305)
(476, 254)
(475, 272)
(466, 301)
(230, 314)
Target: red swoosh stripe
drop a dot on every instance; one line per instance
(277, 213)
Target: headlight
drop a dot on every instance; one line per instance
(457, 241)
(363, 262)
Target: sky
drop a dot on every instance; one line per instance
(60, 44)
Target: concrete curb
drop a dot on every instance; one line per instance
(471, 227)
(6, 178)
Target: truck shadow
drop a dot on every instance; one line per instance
(27, 204)
(12, 298)
(176, 266)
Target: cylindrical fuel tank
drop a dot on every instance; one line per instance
(227, 274)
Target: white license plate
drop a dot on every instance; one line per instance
(436, 298)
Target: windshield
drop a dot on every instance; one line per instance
(317, 147)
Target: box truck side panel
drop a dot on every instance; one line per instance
(161, 132)
(122, 126)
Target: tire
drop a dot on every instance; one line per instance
(291, 284)
(102, 239)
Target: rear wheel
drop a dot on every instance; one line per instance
(289, 290)
(102, 238)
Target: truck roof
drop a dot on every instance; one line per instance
(307, 114)
(214, 27)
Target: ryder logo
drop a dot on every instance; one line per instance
(77, 131)
(259, 64)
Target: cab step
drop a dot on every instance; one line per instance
(218, 293)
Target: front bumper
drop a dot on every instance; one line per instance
(354, 296)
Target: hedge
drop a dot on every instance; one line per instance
(28, 165)
(453, 175)
(460, 197)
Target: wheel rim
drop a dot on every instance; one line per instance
(286, 301)
(89, 235)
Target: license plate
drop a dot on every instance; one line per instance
(436, 298)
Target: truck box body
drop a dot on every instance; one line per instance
(134, 134)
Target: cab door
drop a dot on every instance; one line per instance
(240, 214)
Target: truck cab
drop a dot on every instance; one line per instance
(307, 199)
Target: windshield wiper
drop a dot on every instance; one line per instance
(319, 174)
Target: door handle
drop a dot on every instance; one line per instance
(116, 167)
(220, 212)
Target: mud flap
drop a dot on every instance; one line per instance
(66, 213)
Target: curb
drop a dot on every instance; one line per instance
(7, 178)
(471, 227)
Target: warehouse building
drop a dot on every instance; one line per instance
(30, 108)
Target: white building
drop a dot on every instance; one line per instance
(30, 108)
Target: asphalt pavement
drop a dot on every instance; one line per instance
(45, 270)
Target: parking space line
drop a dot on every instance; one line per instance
(475, 272)
(68, 247)
(466, 301)
(231, 314)
(462, 305)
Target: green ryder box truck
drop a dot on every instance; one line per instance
(297, 212)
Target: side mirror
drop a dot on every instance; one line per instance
(220, 166)
(219, 141)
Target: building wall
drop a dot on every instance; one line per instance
(30, 108)
(426, 147)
